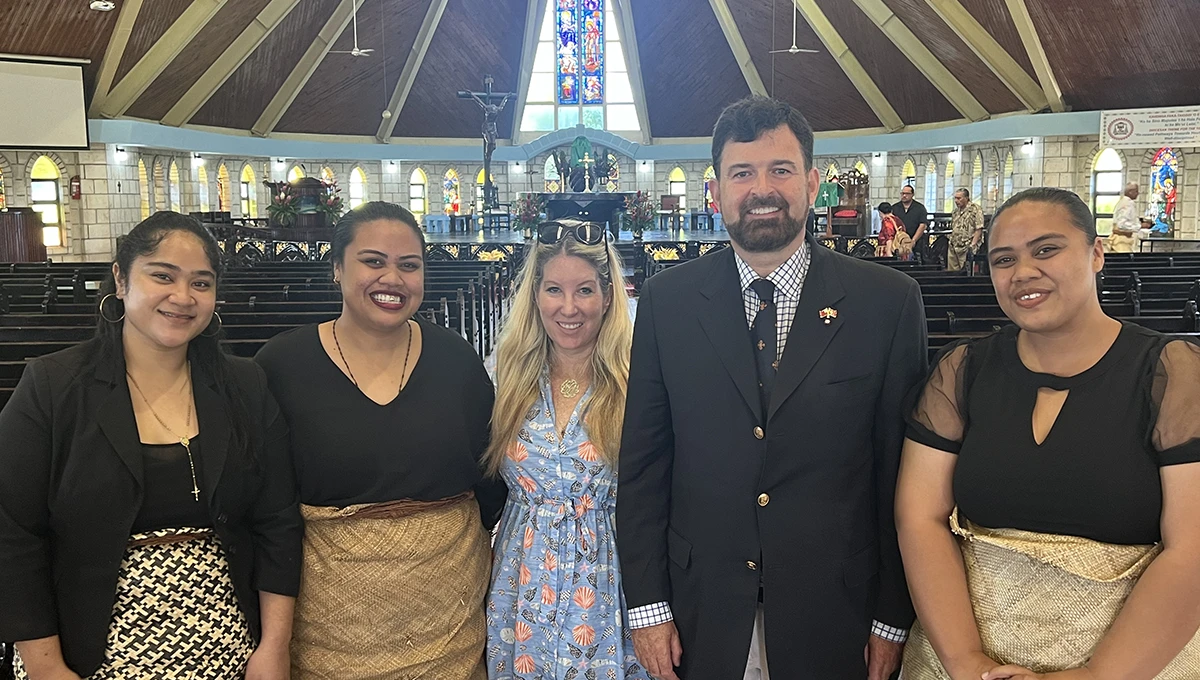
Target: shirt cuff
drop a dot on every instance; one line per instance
(650, 615)
(882, 630)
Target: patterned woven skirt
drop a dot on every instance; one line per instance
(175, 615)
(392, 590)
(1043, 601)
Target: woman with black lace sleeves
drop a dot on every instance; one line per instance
(1065, 451)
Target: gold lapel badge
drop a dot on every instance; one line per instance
(828, 314)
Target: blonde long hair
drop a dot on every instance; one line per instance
(523, 352)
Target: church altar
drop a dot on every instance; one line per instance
(595, 206)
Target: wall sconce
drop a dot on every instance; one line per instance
(1027, 147)
(120, 155)
(955, 153)
(391, 166)
(878, 158)
(279, 164)
(197, 160)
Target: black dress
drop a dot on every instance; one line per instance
(426, 444)
(1096, 474)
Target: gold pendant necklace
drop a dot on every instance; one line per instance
(569, 388)
(184, 441)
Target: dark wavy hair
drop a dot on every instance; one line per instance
(348, 224)
(204, 351)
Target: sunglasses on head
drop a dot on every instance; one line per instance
(586, 233)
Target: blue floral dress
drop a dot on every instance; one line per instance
(556, 610)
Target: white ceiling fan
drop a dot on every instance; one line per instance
(794, 49)
(357, 51)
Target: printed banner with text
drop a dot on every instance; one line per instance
(1141, 128)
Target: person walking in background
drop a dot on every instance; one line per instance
(966, 230)
(1125, 223)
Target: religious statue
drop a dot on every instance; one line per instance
(491, 112)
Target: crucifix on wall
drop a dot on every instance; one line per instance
(487, 100)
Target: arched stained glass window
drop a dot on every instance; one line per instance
(977, 178)
(677, 186)
(249, 192)
(418, 193)
(358, 187)
(202, 188)
(1164, 186)
(908, 174)
(224, 201)
(1108, 183)
(614, 173)
(144, 188)
(46, 198)
(451, 203)
(931, 185)
(948, 190)
(173, 187)
(861, 167)
(710, 176)
(550, 174)
(3, 202)
(295, 173)
(831, 172)
(328, 176)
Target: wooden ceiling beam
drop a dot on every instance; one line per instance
(229, 61)
(633, 64)
(925, 61)
(159, 57)
(535, 14)
(1001, 63)
(412, 65)
(1037, 54)
(850, 64)
(741, 54)
(113, 53)
(305, 68)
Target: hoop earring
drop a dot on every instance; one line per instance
(216, 332)
(100, 309)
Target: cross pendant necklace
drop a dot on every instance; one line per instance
(185, 441)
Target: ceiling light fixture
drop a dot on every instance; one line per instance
(103, 5)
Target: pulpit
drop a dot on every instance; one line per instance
(21, 236)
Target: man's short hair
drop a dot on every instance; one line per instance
(748, 119)
(965, 192)
(909, 187)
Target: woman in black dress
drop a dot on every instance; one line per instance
(1064, 450)
(389, 417)
(148, 517)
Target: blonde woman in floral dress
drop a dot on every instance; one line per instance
(556, 610)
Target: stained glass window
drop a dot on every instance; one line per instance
(1164, 174)
(249, 192)
(450, 198)
(710, 176)
(550, 174)
(861, 167)
(417, 189)
(831, 172)
(295, 173)
(614, 173)
(144, 187)
(931, 180)
(1108, 182)
(202, 188)
(3, 204)
(591, 48)
(223, 200)
(45, 199)
(358, 187)
(567, 43)
(173, 186)
(948, 192)
(908, 174)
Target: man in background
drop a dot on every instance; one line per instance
(1125, 223)
(915, 218)
(966, 230)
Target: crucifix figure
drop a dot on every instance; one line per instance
(491, 111)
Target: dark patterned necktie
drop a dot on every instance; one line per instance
(763, 334)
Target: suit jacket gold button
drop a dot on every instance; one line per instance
(758, 433)
(763, 499)
(751, 566)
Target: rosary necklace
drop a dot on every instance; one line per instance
(403, 371)
(185, 441)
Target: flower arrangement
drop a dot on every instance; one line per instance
(285, 204)
(527, 213)
(330, 202)
(640, 211)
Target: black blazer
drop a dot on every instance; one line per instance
(71, 487)
(710, 505)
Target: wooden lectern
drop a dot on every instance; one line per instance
(21, 236)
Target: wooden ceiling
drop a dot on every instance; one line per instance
(1102, 53)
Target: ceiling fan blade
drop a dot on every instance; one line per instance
(805, 50)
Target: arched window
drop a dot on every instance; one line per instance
(993, 186)
(327, 175)
(861, 167)
(173, 187)
(948, 191)
(710, 176)
(144, 186)
(358, 187)
(831, 172)
(295, 173)
(418, 186)
(160, 188)
(45, 198)
(1009, 168)
(224, 202)
(3, 202)
(677, 185)
(931, 188)
(977, 178)
(1164, 185)
(202, 188)
(451, 203)
(479, 197)
(1108, 183)
(614, 173)
(249, 192)
(908, 174)
(550, 175)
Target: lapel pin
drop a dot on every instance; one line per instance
(828, 314)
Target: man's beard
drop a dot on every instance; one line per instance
(759, 235)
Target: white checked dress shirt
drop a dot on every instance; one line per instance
(789, 283)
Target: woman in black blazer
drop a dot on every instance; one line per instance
(148, 517)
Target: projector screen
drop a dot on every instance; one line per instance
(41, 105)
